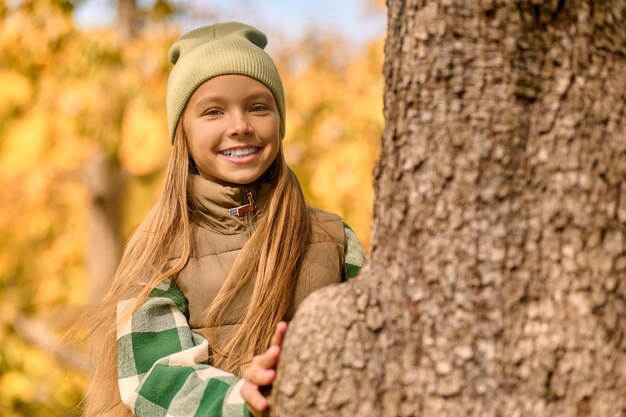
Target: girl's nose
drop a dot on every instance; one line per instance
(240, 126)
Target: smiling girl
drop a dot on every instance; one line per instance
(193, 321)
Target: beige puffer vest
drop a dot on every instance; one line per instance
(219, 237)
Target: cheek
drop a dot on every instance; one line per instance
(271, 129)
(196, 144)
(199, 136)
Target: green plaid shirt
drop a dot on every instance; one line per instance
(163, 367)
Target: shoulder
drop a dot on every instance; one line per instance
(324, 216)
(335, 228)
(165, 292)
(326, 227)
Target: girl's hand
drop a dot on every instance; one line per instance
(262, 372)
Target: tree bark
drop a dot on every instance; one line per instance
(496, 283)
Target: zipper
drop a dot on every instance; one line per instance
(248, 216)
(246, 211)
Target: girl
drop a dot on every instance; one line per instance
(228, 251)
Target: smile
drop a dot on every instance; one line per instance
(239, 153)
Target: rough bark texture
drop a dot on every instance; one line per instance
(496, 284)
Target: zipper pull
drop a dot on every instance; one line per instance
(246, 208)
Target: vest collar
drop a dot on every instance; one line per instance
(214, 200)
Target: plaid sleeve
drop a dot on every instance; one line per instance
(163, 367)
(354, 256)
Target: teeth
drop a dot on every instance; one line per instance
(238, 153)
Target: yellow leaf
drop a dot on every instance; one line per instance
(17, 386)
(25, 144)
(16, 90)
(145, 146)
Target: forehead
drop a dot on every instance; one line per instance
(230, 85)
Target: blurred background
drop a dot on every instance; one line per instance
(83, 147)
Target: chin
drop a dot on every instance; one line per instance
(243, 181)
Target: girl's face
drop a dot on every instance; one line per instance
(232, 128)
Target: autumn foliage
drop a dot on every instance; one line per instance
(69, 94)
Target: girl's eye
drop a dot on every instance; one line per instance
(212, 112)
(258, 108)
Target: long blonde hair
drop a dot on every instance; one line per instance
(271, 257)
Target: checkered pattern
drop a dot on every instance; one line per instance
(163, 367)
(354, 255)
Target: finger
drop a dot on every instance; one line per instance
(268, 359)
(260, 376)
(255, 400)
(279, 333)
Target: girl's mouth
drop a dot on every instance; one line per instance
(239, 152)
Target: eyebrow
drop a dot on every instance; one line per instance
(261, 94)
(205, 101)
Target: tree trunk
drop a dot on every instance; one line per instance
(496, 284)
(105, 182)
(127, 14)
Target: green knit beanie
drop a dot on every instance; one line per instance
(219, 49)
